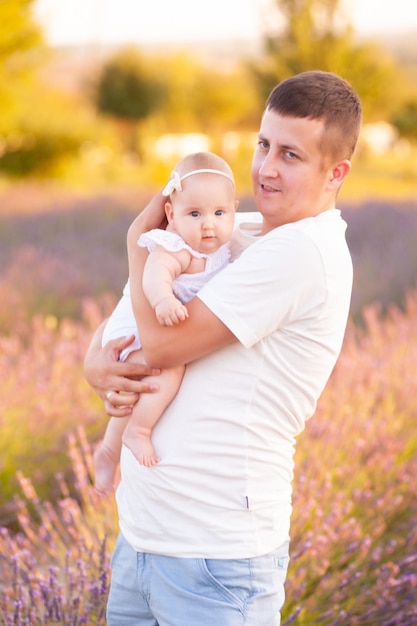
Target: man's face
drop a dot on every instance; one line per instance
(290, 180)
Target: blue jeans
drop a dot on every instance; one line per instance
(155, 590)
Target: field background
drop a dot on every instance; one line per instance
(87, 134)
(354, 545)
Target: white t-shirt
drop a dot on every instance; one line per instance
(223, 486)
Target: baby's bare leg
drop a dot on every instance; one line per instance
(107, 456)
(148, 410)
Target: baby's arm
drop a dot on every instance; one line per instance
(161, 268)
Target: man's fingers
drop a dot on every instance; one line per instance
(134, 371)
(113, 411)
(116, 346)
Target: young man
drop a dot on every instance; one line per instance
(204, 534)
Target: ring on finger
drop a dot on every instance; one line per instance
(108, 394)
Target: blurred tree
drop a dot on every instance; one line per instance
(129, 91)
(405, 120)
(18, 30)
(224, 100)
(44, 135)
(205, 98)
(36, 131)
(20, 41)
(315, 34)
(179, 73)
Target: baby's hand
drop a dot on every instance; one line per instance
(170, 311)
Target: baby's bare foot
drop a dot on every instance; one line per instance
(105, 468)
(138, 440)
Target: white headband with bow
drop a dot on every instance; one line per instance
(174, 183)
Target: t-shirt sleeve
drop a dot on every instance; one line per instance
(278, 279)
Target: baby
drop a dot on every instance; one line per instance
(200, 211)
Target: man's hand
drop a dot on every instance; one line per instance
(119, 384)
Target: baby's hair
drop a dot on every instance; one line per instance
(201, 161)
(197, 163)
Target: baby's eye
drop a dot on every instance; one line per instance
(194, 213)
(219, 212)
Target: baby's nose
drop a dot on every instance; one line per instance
(207, 223)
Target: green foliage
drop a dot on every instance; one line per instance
(405, 120)
(127, 89)
(141, 96)
(20, 43)
(203, 97)
(223, 100)
(18, 34)
(315, 36)
(375, 76)
(179, 73)
(37, 126)
(43, 132)
(29, 152)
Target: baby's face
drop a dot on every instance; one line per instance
(203, 212)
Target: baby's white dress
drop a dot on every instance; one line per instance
(122, 321)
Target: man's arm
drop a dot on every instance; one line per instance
(200, 334)
(104, 372)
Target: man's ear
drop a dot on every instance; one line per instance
(338, 174)
(169, 212)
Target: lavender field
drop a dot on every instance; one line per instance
(354, 536)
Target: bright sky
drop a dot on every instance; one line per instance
(137, 21)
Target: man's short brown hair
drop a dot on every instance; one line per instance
(322, 96)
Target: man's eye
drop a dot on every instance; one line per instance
(263, 144)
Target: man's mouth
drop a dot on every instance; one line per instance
(268, 188)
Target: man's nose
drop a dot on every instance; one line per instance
(268, 167)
